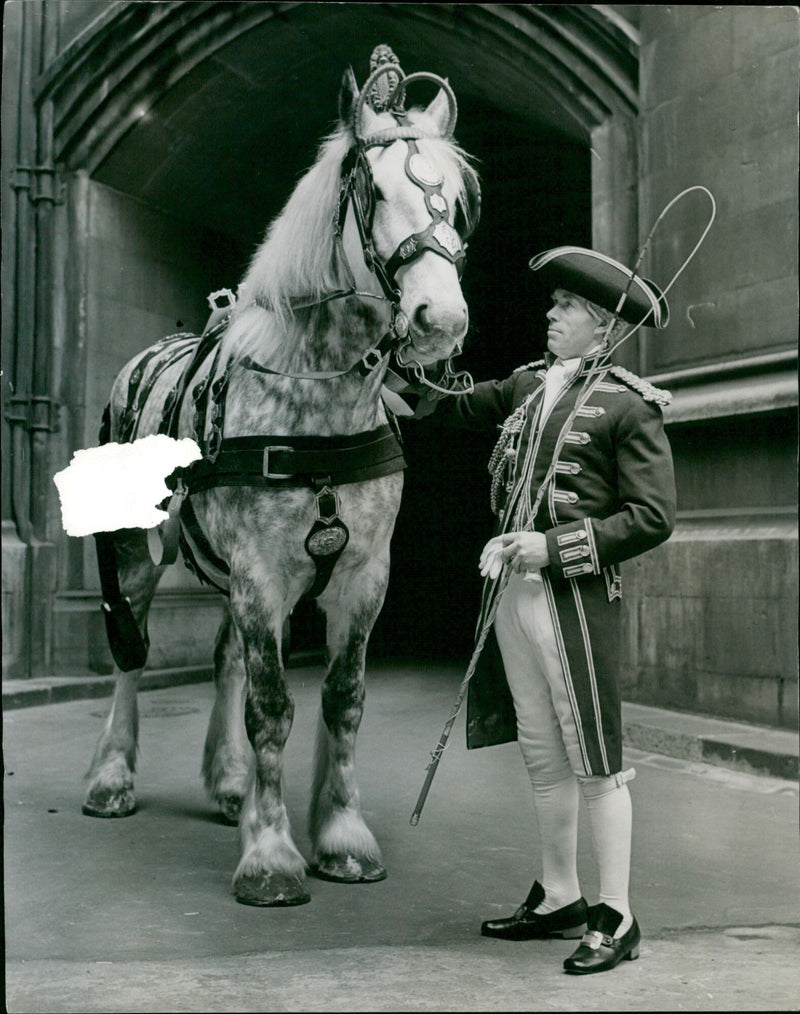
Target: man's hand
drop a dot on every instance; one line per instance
(492, 558)
(525, 551)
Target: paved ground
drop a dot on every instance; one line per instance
(137, 915)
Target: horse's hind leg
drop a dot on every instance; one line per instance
(227, 753)
(110, 791)
(345, 850)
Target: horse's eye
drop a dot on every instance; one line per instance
(379, 194)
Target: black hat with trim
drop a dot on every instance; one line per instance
(603, 281)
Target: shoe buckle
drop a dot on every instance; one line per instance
(593, 939)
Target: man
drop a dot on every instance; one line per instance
(582, 480)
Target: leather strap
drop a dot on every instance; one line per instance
(139, 388)
(171, 416)
(293, 461)
(368, 362)
(163, 540)
(128, 647)
(198, 553)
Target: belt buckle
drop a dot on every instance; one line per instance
(265, 467)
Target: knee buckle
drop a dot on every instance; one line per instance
(600, 785)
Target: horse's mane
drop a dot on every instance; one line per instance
(297, 257)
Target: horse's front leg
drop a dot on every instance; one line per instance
(227, 753)
(271, 870)
(345, 850)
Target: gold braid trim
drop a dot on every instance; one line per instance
(501, 461)
(642, 387)
(539, 364)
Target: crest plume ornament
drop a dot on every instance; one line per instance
(383, 86)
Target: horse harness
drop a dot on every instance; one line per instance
(319, 463)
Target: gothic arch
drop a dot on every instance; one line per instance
(572, 66)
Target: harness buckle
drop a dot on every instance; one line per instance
(372, 359)
(265, 469)
(215, 297)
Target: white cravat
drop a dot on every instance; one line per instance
(556, 377)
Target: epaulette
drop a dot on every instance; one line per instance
(537, 365)
(642, 387)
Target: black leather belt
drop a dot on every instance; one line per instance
(299, 461)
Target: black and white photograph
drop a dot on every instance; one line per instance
(400, 507)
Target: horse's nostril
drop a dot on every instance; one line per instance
(420, 321)
(445, 322)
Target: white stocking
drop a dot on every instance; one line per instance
(608, 803)
(557, 817)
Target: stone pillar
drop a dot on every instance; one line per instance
(614, 161)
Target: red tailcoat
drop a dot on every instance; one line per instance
(610, 497)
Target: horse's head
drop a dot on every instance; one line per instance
(412, 199)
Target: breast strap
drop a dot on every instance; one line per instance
(297, 461)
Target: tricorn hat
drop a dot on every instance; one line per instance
(603, 281)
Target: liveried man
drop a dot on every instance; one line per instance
(582, 479)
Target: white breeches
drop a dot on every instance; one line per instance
(546, 729)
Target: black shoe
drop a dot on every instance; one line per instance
(599, 951)
(568, 922)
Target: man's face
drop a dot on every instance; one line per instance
(571, 329)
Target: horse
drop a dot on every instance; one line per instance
(299, 485)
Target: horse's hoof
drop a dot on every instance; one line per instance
(271, 890)
(230, 807)
(110, 803)
(348, 870)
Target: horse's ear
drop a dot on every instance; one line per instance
(370, 121)
(439, 111)
(348, 96)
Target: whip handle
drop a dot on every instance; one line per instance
(434, 764)
(436, 756)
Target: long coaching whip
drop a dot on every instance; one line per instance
(494, 589)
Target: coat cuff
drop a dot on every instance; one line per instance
(572, 549)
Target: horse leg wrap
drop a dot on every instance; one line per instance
(128, 647)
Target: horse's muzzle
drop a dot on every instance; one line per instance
(435, 334)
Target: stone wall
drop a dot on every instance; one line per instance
(711, 616)
(718, 107)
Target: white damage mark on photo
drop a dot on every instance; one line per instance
(119, 485)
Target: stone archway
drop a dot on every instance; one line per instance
(181, 126)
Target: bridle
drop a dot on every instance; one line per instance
(357, 192)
